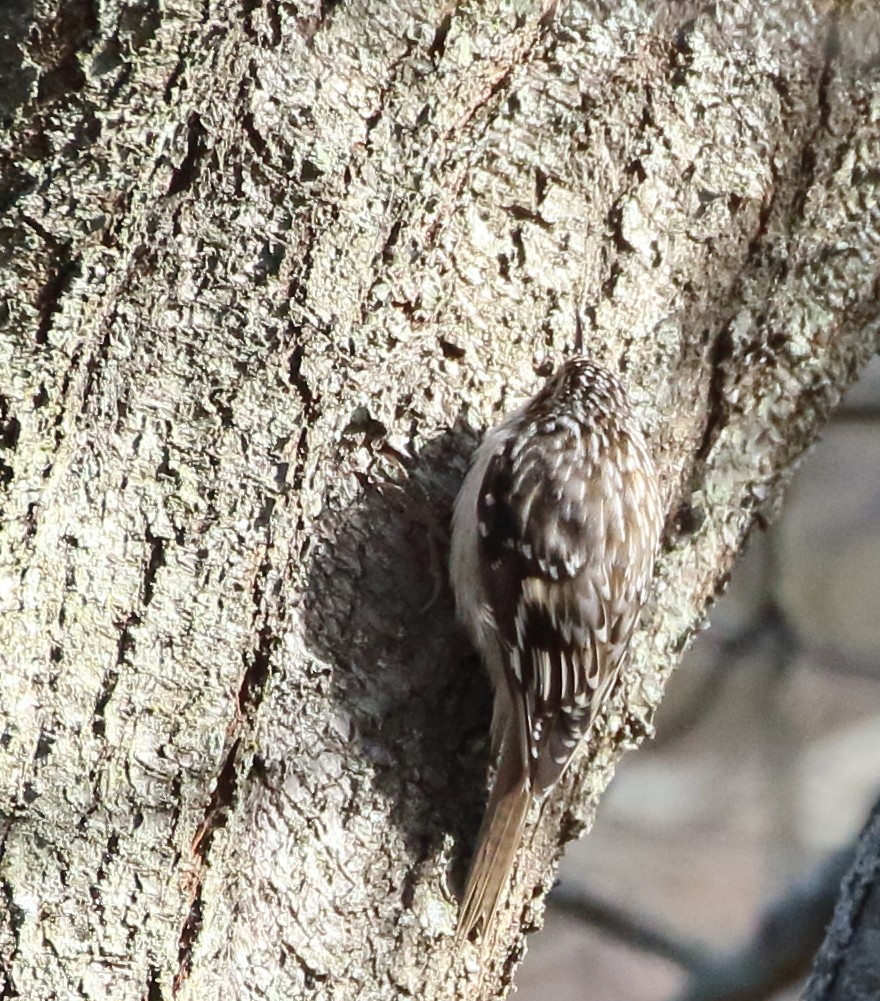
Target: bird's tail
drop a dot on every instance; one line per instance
(500, 837)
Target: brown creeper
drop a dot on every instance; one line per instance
(554, 535)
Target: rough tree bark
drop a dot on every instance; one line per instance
(847, 967)
(268, 268)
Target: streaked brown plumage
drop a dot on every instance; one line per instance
(554, 535)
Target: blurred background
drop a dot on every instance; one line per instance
(718, 849)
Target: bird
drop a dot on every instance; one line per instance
(554, 536)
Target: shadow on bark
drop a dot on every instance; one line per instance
(379, 609)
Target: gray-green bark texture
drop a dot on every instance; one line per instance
(268, 268)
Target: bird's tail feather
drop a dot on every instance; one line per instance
(500, 837)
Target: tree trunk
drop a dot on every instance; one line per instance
(848, 965)
(268, 270)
